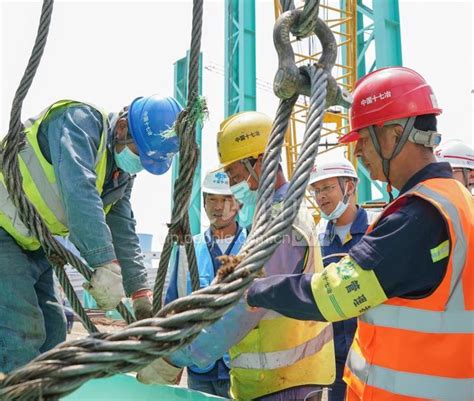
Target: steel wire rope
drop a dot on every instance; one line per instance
(179, 231)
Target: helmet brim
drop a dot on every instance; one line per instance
(156, 166)
(350, 137)
(216, 191)
(336, 175)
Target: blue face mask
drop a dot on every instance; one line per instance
(248, 199)
(128, 161)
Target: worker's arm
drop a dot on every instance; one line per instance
(73, 136)
(215, 340)
(394, 260)
(342, 291)
(122, 224)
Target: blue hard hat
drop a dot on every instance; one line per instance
(148, 119)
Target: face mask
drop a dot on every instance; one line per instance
(339, 209)
(248, 199)
(336, 213)
(128, 161)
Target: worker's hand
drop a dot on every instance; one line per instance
(160, 371)
(142, 303)
(250, 308)
(106, 285)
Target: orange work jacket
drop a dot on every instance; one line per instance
(423, 349)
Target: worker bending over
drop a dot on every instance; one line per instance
(78, 166)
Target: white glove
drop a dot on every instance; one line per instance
(160, 372)
(106, 286)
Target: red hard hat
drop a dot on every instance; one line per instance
(389, 94)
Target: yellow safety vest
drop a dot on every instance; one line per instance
(39, 183)
(282, 353)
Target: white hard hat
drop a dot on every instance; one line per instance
(339, 168)
(216, 183)
(456, 153)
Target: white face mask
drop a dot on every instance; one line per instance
(339, 209)
(336, 213)
(248, 199)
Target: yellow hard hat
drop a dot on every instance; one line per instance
(243, 135)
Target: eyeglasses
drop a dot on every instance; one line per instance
(321, 191)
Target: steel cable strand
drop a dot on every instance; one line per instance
(305, 161)
(306, 23)
(265, 246)
(179, 228)
(271, 161)
(73, 298)
(287, 5)
(306, 20)
(15, 128)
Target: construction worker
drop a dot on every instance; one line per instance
(78, 167)
(272, 357)
(333, 185)
(461, 158)
(409, 279)
(223, 237)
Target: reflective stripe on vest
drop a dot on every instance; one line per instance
(443, 319)
(282, 353)
(420, 320)
(284, 358)
(47, 190)
(10, 211)
(39, 182)
(459, 250)
(409, 384)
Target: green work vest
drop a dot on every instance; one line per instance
(39, 183)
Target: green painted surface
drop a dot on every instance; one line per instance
(378, 33)
(240, 56)
(127, 388)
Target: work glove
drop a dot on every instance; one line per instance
(106, 285)
(160, 371)
(142, 303)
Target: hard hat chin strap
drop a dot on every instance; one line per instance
(465, 177)
(250, 169)
(407, 129)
